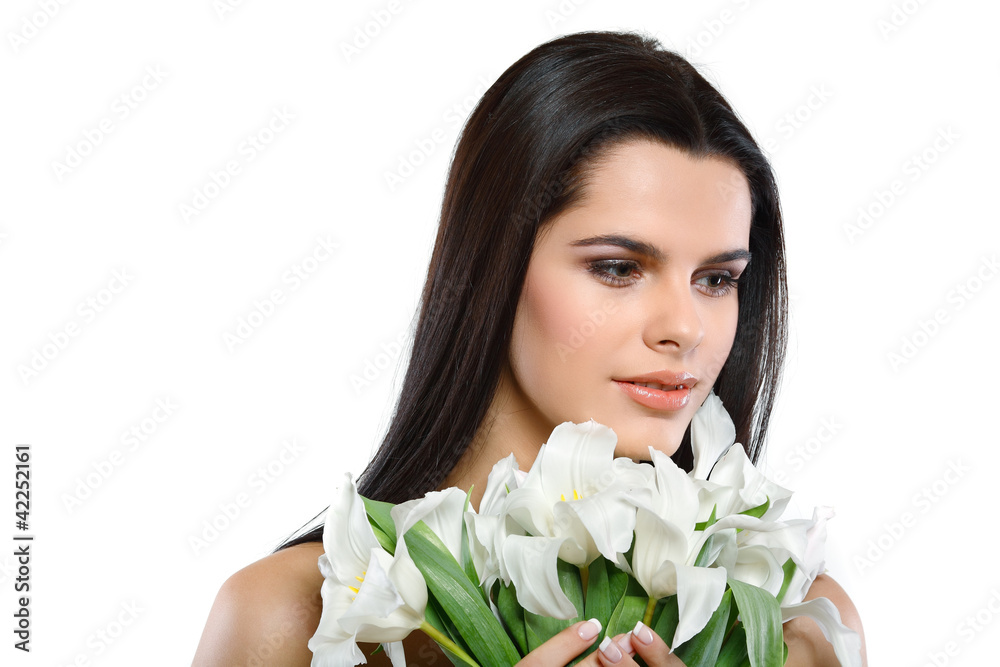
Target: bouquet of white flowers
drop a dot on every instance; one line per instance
(703, 558)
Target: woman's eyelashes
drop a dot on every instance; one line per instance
(625, 272)
(611, 271)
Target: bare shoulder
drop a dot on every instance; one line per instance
(806, 644)
(265, 613)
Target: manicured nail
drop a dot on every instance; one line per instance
(590, 629)
(642, 633)
(610, 650)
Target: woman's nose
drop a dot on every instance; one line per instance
(674, 320)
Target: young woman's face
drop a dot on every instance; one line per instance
(632, 286)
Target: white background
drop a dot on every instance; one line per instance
(109, 543)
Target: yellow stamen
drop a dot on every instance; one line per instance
(353, 589)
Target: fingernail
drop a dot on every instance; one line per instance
(642, 633)
(610, 650)
(590, 629)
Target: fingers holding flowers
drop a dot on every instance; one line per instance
(620, 650)
(562, 647)
(642, 642)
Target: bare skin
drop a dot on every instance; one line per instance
(690, 220)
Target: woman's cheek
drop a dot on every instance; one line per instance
(557, 340)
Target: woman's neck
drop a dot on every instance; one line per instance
(512, 425)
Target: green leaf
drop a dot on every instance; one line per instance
(789, 569)
(540, 629)
(512, 615)
(734, 650)
(665, 623)
(460, 599)
(455, 660)
(468, 564)
(597, 601)
(433, 615)
(379, 516)
(630, 608)
(388, 543)
(760, 614)
(758, 511)
(702, 525)
(702, 650)
(618, 583)
(706, 550)
(447, 627)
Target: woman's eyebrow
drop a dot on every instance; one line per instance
(634, 245)
(651, 251)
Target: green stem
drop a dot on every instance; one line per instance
(647, 618)
(447, 643)
(584, 577)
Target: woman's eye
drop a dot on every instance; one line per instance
(719, 284)
(625, 272)
(615, 271)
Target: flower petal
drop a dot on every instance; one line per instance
(347, 536)
(530, 510)
(576, 457)
(335, 651)
(482, 533)
(712, 433)
(735, 470)
(601, 523)
(658, 546)
(390, 603)
(846, 642)
(531, 562)
(699, 592)
(676, 492)
(499, 483)
(756, 565)
(442, 511)
(395, 652)
(811, 560)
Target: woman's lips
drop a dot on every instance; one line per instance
(657, 399)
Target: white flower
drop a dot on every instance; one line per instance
(736, 485)
(667, 546)
(572, 505)
(368, 595)
(810, 562)
(483, 525)
(712, 434)
(846, 642)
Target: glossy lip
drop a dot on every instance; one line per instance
(659, 399)
(664, 377)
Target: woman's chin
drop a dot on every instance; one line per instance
(640, 452)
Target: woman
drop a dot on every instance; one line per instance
(610, 247)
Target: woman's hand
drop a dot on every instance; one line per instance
(618, 650)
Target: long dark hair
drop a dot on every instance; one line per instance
(522, 158)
